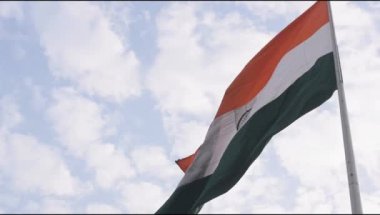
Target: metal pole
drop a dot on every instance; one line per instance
(353, 184)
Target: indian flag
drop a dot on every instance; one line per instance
(293, 74)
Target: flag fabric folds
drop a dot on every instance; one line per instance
(293, 74)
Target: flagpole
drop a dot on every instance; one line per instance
(353, 183)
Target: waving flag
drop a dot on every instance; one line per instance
(293, 74)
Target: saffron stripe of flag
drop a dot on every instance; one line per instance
(293, 74)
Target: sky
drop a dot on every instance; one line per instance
(98, 99)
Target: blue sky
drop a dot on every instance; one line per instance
(97, 100)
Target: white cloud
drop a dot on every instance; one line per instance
(156, 177)
(31, 166)
(101, 208)
(186, 134)
(312, 201)
(31, 205)
(81, 47)
(36, 167)
(9, 200)
(77, 120)
(176, 68)
(152, 162)
(268, 10)
(346, 24)
(110, 164)
(371, 203)
(9, 10)
(81, 127)
(200, 74)
(54, 206)
(373, 4)
(194, 67)
(143, 197)
(120, 17)
(340, 200)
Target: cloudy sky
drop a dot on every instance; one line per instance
(97, 100)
